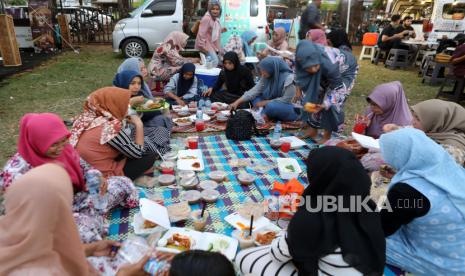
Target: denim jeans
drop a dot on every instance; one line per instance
(278, 111)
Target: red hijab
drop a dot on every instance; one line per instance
(39, 131)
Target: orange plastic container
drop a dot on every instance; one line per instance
(370, 39)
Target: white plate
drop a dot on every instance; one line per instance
(284, 173)
(138, 225)
(237, 220)
(295, 142)
(226, 113)
(186, 164)
(220, 106)
(206, 118)
(179, 123)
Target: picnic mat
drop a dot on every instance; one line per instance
(217, 151)
(216, 126)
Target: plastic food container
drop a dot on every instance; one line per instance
(186, 174)
(189, 183)
(210, 196)
(167, 165)
(288, 168)
(246, 178)
(166, 179)
(245, 240)
(192, 196)
(217, 176)
(208, 185)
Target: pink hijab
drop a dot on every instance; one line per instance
(390, 97)
(318, 36)
(176, 40)
(280, 39)
(37, 132)
(38, 235)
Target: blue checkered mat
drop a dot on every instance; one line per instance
(217, 152)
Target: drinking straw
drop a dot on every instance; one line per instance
(251, 224)
(203, 208)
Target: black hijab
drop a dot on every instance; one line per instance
(184, 85)
(339, 39)
(313, 235)
(238, 80)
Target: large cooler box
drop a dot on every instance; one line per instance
(208, 76)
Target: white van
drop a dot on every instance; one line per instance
(149, 24)
(447, 18)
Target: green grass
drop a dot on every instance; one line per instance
(62, 84)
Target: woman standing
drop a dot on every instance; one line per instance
(209, 35)
(319, 77)
(274, 92)
(233, 81)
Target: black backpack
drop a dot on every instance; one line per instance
(241, 126)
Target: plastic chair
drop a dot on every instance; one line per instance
(457, 93)
(369, 43)
(433, 71)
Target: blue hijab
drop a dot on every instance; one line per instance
(418, 159)
(183, 85)
(133, 64)
(279, 71)
(307, 55)
(246, 37)
(123, 79)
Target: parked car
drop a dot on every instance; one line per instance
(149, 24)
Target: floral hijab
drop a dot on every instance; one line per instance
(105, 107)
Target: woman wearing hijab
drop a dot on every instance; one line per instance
(101, 139)
(166, 60)
(157, 127)
(182, 87)
(319, 77)
(248, 38)
(443, 122)
(274, 92)
(277, 42)
(38, 235)
(233, 81)
(339, 39)
(209, 35)
(318, 242)
(317, 36)
(137, 65)
(388, 105)
(426, 226)
(43, 138)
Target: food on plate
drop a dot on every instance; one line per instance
(196, 165)
(179, 242)
(218, 245)
(148, 224)
(265, 238)
(182, 121)
(179, 211)
(188, 157)
(290, 168)
(251, 208)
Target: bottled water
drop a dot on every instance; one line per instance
(277, 131)
(208, 103)
(93, 182)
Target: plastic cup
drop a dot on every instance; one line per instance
(199, 222)
(193, 143)
(360, 128)
(167, 171)
(199, 125)
(286, 146)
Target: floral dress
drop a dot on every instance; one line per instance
(166, 61)
(90, 221)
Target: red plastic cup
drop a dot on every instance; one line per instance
(167, 171)
(192, 143)
(199, 125)
(360, 128)
(285, 146)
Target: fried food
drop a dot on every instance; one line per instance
(196, 165)
(183, 120)
(178, 241)
(266, 237)
(310, 107)
(149, 224)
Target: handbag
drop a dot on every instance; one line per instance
(241, 126)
